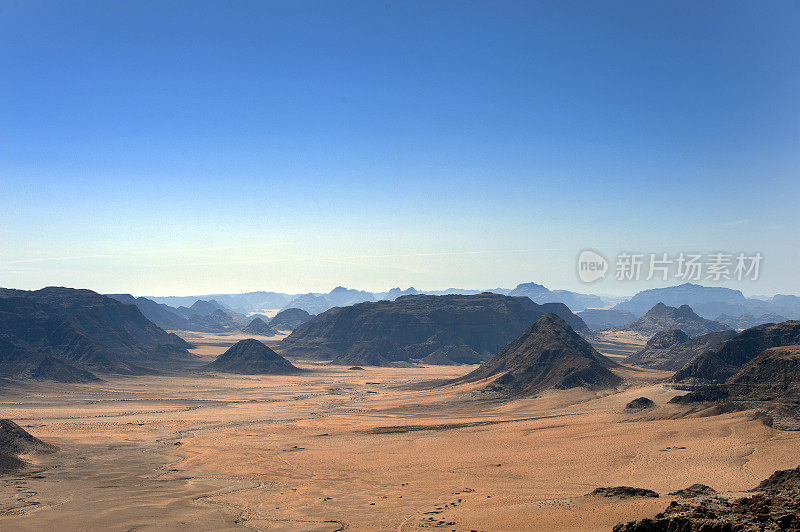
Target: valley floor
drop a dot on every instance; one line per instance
(362, 450)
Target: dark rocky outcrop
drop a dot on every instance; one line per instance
(661, 317)
(483, 322)
(258, 326)
(774, 506)
(670, 350)
(251, 357)
(289, 319)
(549, 354)
(624, 492)
(722, 362)
(639, 404)
(14, 440)
(695, 490)
(66, 334)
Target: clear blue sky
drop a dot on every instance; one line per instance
(187, 147)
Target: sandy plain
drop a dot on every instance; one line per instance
(379, 449)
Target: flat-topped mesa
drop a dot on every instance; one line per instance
(548, 355)
(415, 326)
(251, 357)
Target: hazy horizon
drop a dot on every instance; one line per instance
(183, 148)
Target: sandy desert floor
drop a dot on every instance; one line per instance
(378, 449)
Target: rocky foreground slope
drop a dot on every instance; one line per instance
(549, 354)
(413, 327)
(773, 505)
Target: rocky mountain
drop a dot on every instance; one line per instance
(258, 326)
(719, 364)
(251, 357)
(599, 319)
(662, 317)
(672, 349)
(289, 319)
(14, 441)
(770, 383)
(540, 294)
(66, 334)
(746, 321)
(203, 316)
(484, 322)
(162, 315)
(549, 354)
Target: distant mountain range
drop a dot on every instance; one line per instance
(720, 304)
(316, 303)
(711, 302)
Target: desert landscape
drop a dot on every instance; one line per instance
(378, 448)
(399, 266)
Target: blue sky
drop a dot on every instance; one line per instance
(192, 147)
